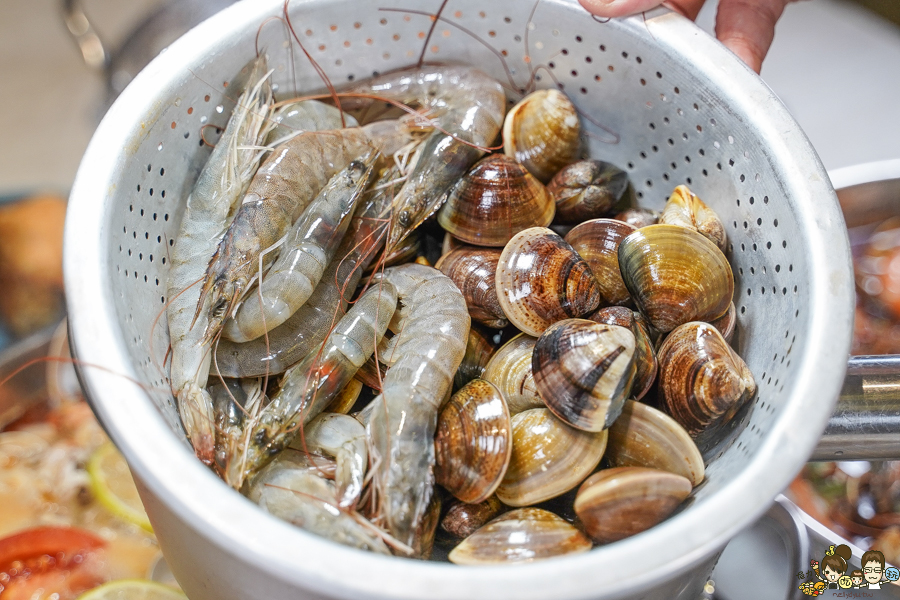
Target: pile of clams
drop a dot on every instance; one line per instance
(599, 361)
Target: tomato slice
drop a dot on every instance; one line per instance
(53, 559)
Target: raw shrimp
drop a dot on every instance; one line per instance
(344, 438)
(309, 247)
(464, 102)
(403, 419)
(234, 400)
(305, 331)
(306, 115)
(282, 188)
(309, 386)
(292, 489)
(210, 207)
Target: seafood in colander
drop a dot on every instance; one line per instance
(548, 414)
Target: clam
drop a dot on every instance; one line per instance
(371, 373)
(645, 363)
(548, 458)
(702, 381)
(638, 217)
(645, 437)
(588, 189)
(541, 280)
(473, 269)
(726, 323)
(543, 133)
(614, 504)
(472, 443)
(597, 242)
(675, 275)
(450, 243)
(521, 535)
(495, 200)
(510, 370)
(479, 349)
(583, 370)
(425, 532)
(686, 209)
(462, 519)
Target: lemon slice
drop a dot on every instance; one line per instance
(132, 589)
(113, 486)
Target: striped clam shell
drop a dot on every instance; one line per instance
(597, 242)
(686, 209)
(543, 133)
(510, 370)
(702, 380)
(541, 280)
(645, 363)
(588, 189)
(473, 270)
(584, 371)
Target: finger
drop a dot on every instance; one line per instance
(618, 8)
(747, 27)
(622, 8)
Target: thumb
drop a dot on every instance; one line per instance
(747, 27)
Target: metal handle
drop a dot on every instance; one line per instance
(866, 421)
(82, 31)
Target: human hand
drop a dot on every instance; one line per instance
(746, 27)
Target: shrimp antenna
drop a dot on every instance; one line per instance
(315, 65)
(434, 22)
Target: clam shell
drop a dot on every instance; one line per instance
(726, 323)
(597, 242)
(617, 503)
(473, 442)
(638, 217)
(588, 189)
(463, 519)
(702, 381)
(583, 370)
(541, 280)
(450, 243)
(479, 349)
(543, 133)
(645, 437)
(548, 458)
(425, 532)
(510, 370)
(645, 363)
(473, 270)
(675, 275)
(495, 200)
(686, 209)
(519, 536)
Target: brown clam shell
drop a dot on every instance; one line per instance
(510, 370)
(495, 200)
(726, 323)
(675, 275)
(597, 242)
(473, 442)
(638, 217)
(584, 371)
(588, 189)
(427, 528)
(645, 437)
(344, 401)
(686, 209)
(702, 381)
(463, 519)
(479, 349)
(543, 133)
(541, 280)
(473, 269)
(522, 535)
(614, 504)
(450, 243)
(549, 458)
(645, 363)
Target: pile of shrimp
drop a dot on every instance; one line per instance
(271, 317)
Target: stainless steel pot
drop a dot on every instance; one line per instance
(681, 109)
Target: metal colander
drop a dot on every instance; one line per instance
(661, 99)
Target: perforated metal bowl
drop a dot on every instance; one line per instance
(684, 110)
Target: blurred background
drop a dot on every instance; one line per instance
(834, 63)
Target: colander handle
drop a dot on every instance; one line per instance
(865, 424)
(92, 49)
